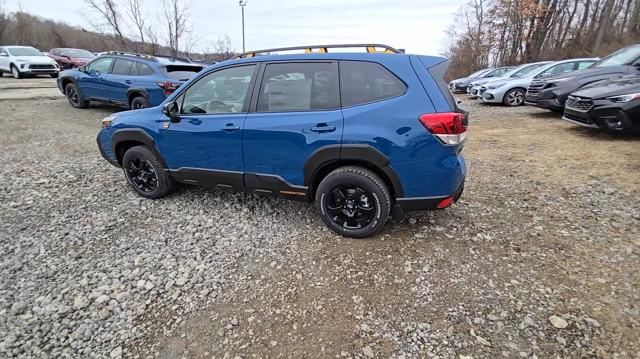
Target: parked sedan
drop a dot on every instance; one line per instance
(20, 61)
(555, 90)
(474, 86)
(71, 58)
(511, 92)
(612, 105)
(460, 85)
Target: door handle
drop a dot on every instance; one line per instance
(128, 82)
(230, 127)
(323, 127)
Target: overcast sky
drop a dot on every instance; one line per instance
(418, 26)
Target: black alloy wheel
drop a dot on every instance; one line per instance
(142, 175)
(74, 96)
(350, 206)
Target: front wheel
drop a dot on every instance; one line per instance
(353, 201)
(514, 97)
(145, 173)
(15, 72)
(74, 96)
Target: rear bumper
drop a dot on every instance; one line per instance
(411, 204)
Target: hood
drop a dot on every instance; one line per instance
(462, 79)
(607, 88)
(589, 72)
(41, 59)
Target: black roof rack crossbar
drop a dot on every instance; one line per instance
(372, 48)
(126, 53)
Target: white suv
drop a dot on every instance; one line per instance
(26, 60)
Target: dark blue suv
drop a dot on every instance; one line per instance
(128, 80)
(364, 135)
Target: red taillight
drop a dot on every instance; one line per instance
(448, 127)
(445, 203)
(168, 87)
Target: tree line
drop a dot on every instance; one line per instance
(117, 25)
(509, 32)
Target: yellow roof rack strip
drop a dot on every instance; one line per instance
(371, 48)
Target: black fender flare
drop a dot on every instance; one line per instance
(351, 152)
(137, 90)
(134, 135)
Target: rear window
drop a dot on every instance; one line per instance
(363, 82)
(180, 72)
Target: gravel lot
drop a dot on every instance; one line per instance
(539, 259)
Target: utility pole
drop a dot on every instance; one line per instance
(242, 4)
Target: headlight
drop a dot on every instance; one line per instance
(562, 79)
(106, 122)
(495, 86)
(625, 98)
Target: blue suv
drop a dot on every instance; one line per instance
(363, 135)
(128, 80)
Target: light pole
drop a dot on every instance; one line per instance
(242, 4)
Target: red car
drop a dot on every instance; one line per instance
(71, 58)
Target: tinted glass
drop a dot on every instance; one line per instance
(623, 56)
(299, 87)
(559, 69)
(223, 91)
(180, 72)
(122, 67)
(585, 64)
(364, 82)
(142, 69)
(525, 70)
(79, 53)
(24, 51)
(102, 65)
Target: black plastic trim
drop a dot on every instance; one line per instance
(410, 204)
(209, 178)
(137, 135)
(274, 185)
(104, 155)
(138, 90)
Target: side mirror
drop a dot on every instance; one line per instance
(4, 54)
(172, 110)
(82, 68)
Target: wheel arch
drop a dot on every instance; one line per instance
(124, 139)
(328, 158)
(135, 92)
(65, 81)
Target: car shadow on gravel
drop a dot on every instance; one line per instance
(600, 135)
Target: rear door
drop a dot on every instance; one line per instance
(118, 80)
(297, 111)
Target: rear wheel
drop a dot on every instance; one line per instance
(145, 173)
(139, 102)
(74, 96)
(514, 97)
(15, 72)
(353, 202)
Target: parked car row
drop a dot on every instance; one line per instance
(598, 93)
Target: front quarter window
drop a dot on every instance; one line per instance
(101, 65)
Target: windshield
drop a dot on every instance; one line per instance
(621, 57)
(84, 54)
(478, 73)
(525, 70)
(498, 72)
(24, 51)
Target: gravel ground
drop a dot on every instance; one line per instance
(539, 259)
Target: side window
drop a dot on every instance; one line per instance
(54, 52)
(142, 69)
(363, 82)
(102, 65)
(222, 91)
(559, 69)
(584, 64)
(122, 67)
(299, 87)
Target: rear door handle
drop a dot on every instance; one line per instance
(128, 82)
(323, 127)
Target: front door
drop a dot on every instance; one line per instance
(118, 81)
(297, 112)
(205, 147)
(93, 85)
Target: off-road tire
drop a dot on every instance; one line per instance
(77, 102)
(370, 183)
(165, 183)
(139, 102)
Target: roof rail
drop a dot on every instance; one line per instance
(149, 57)
(371, 48)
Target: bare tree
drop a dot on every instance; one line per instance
(223, 49)
(110, 14)
(4, 21)
(175, 15)
(134, 10)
